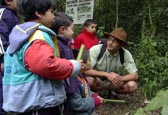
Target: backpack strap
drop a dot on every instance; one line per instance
(1, 44)
(102, 50)
(1, 12)
(121, 53)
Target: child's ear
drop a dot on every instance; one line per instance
(61, 29)
(37, 14)
(8, 2)
(85, 27)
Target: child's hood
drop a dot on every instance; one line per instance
(21, 33)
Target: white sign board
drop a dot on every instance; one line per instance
(80, 10)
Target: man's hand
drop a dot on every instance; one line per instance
(115, 79)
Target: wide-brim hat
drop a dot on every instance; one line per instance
(118, 33)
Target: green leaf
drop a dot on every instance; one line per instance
(159, 101)
(140, 112)
(165, 110)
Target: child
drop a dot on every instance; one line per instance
(33, 73)
(87, 36)
(8, 19)
(83, 101)
(63, 26)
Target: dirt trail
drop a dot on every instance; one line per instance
(133, 102)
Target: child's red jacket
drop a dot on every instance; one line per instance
(86, 38)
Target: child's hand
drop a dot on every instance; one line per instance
(85, 67)
(98, 100)
(81, 63)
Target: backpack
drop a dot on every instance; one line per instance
(103, 49)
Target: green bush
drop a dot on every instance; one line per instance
(152, 63)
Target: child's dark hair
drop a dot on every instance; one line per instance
(27, 8)
(88, 22)
(2, 2)
(85, 55)
(61, 20)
